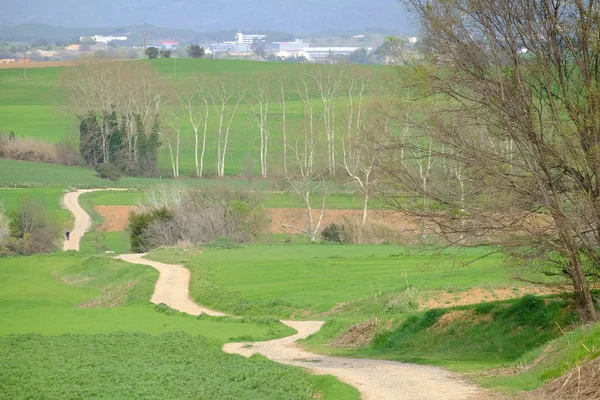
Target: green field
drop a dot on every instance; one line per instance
(279, 280)
(347, 284)
(22, 174)
(50, 198)
(70, 323)
(36, 107)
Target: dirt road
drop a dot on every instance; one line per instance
(375, 379)
(172, 286)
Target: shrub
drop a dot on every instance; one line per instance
(108, 171)
(333, 233)
(35, 150)
(31, 230)
(141, 223)
(352, 231)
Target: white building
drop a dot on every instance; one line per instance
(323, 52)
(102, 39)
(248, 39)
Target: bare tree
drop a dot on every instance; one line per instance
(328, 82)
(221, 95)
(4, 224)
(196, 104)
(305, 177)
(259, 113)
(283, 102)
(360, 144)
(525, 74)
(172, 136)
(162, 196)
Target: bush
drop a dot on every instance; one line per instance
(352, 231)
(31, 230)
(221, 216)
(108, 171)
(140, 224)
(35, 150)
(333, 233)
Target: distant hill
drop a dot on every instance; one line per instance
(308, 16)
(32, 32)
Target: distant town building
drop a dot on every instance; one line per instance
(324, 52)
(102, 39)
(169, 45)
(7, 60)
(248, 39)
(287, 46)
(165, 45)
(73, 47)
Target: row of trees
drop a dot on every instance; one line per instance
(193, 51)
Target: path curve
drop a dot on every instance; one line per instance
(375, 379)
(172, 286)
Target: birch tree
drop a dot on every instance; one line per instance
(359, 144)
(283, 103)
(196, 105)
(226, 99)
(328, 82)
(259, 103)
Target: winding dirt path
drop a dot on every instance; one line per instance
(375, 379)
(172, 286)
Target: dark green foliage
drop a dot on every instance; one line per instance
(108, 171)
(414, 325)
(139, 223)
(359, 56)
(139, 159)
(492, 332)
(148, 144)
(115, 142)
(165, 53)
(533, 312)
(152, 52)
(195, 51)
(140, 366)
(32, 231)
(332, 233)
(90, 147)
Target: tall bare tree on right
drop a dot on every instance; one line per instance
(518, 107)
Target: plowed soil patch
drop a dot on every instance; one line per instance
(298, 217)
(116, 218)
(441, 299)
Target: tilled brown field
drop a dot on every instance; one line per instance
(116, 218)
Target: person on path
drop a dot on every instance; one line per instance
(67, 234)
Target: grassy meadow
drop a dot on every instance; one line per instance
(37, 107)
(310, 279)
(535, 338)
(70, 323)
